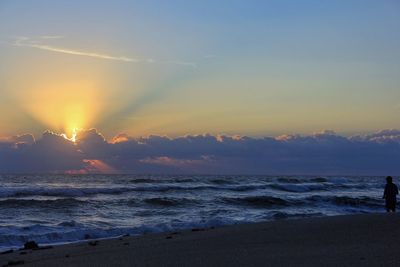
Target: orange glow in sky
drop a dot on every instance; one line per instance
(63, 107)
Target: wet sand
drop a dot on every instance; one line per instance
(355, 240)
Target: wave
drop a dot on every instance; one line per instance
(13, 192)
(80, 192)
(333, 180)
(142, 181)
(184, 180)
(88, 191)
(299, 188)
(292, 180)
(29, 203)
(72, 231)
(339, 180)
(71, 223)
(243, 188)
(289, 180)
(60, 191)
(55, 209)
(63, 233)
(312, 201)
(348, 201)
(318, 180)
(175, 188)
(258, 201)
(169, 201)
(160, 181)
(319, 186)
(221, 181)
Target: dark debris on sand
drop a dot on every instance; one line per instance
(198, 229)
(93, 243)
(31, 245)
(7, 252)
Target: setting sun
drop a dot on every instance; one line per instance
(73, 135)
(63, 107)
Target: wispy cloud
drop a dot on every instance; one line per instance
(37, 43)
(25, 41)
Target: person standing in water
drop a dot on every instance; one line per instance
(389, 194)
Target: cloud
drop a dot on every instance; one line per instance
(24, 41)
(23, 138)
(383, 136)
(321, 153)
(50, 153)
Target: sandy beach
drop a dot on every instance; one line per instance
(354, 240)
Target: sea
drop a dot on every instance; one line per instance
(58, 209)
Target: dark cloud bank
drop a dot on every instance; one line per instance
(322, 153)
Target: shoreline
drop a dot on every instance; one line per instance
(183, 230)
(189, 229)
(345, 240)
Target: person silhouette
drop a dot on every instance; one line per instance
(389, 194)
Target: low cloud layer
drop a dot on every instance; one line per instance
(320, 154)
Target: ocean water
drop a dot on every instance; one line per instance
(53, 209)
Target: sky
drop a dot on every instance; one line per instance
(182, 70)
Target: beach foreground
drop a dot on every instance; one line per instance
(353, 240)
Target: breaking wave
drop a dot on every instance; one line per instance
(61, 208)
